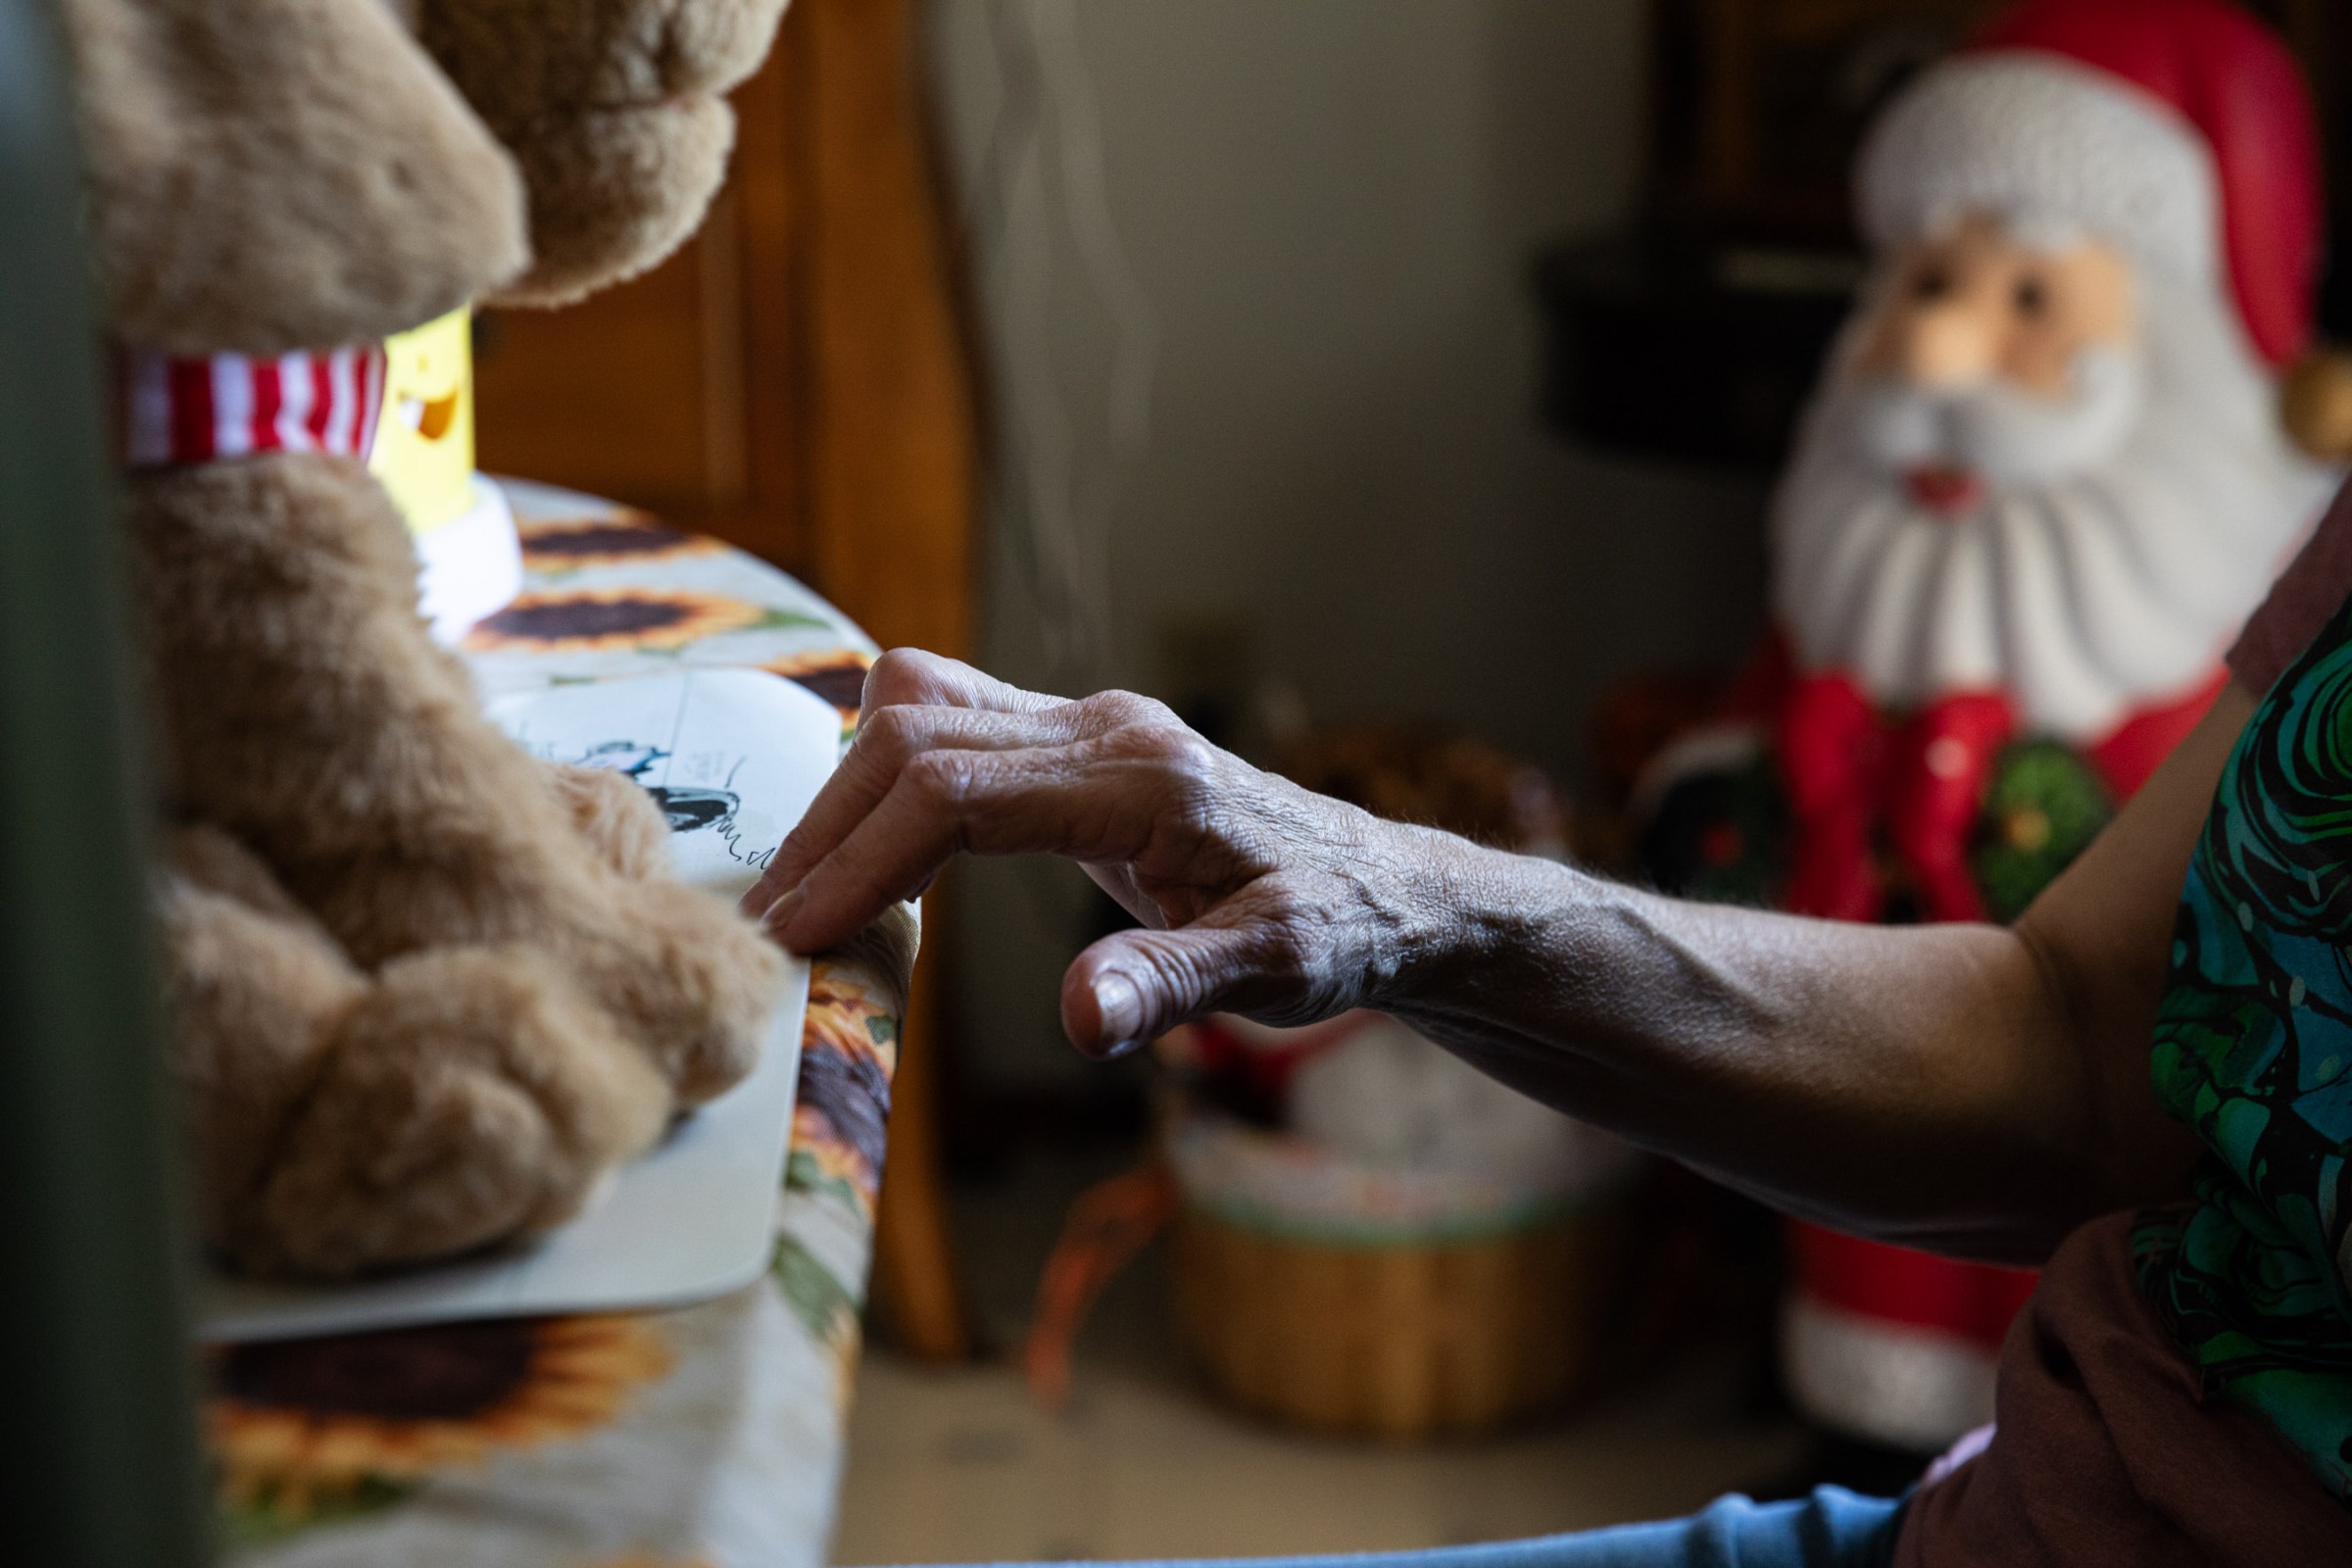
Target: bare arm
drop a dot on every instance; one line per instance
(1973, 1089)
(1965, 1088)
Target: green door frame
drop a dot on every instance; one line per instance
(98, 1455)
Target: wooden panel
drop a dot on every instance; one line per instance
(775, 519)
(795, 380)
(676, 391)
(891, 419)
(613, 395)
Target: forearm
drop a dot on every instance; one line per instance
(1921, 1084)
(1968, 1088)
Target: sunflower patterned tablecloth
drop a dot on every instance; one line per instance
(710, 1434)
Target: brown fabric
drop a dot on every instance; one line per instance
(2301, 601)
(2107, 1452)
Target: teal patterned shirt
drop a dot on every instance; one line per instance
(2253, 1049)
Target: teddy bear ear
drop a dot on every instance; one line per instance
(616, 112)
(267, 176)
(614, 191)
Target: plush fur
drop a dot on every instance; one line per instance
(277, 174)
(427, 993)
(612, 109)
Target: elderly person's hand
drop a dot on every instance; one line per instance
(1259, 896)
(1958, 1086)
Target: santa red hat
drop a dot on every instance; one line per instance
(2177, 131)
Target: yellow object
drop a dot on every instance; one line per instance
(423, 451)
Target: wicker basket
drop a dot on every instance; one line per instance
(1397, 1341)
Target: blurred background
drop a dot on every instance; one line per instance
(1257, 293)
(1311, 364)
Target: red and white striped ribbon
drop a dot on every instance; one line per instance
(199, 409)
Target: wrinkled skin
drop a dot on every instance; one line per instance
(1256, 895)
(1977, 1089)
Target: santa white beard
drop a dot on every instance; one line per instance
(2128, 527)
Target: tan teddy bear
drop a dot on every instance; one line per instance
(428, 991)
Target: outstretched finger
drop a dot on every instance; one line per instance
(887, 741)
(912, 678)
(1047, 801)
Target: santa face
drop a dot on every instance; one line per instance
(2036, 469)
(1986, 363)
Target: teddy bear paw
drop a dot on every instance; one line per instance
(474, 1095)
(694, 983)
(617, 818)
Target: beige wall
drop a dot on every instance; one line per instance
(1330, 207)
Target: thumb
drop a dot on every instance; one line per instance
(1135, 985)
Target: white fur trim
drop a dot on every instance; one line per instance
(2046, 145)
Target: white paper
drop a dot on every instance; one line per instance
(735, 756)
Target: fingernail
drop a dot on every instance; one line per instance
(780, 913)
(1120, 1009)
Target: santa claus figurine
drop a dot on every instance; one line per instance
(2045, 480)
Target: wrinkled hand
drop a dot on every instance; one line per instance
(1259, 896)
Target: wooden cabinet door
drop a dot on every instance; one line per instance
(674, 391)
(637, 393)
(795, 380)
